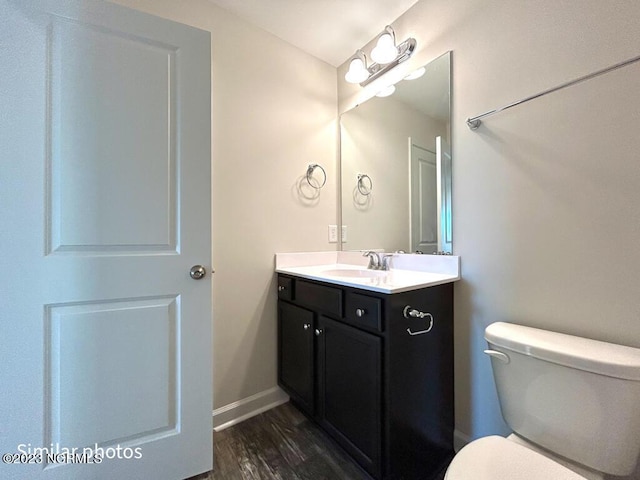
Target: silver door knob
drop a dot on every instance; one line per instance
(197, 272)
(306, 326)
(318, 332)
(360, 312)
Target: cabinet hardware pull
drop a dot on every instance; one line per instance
(306, 326)
(318, 332)
(281, 288)
(360, 312)
(409, 312)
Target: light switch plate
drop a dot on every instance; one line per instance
(344, 233)
(333, 234)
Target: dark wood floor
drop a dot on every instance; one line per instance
(279, 444)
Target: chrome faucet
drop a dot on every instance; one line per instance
(377, 261)
(374, 260)
(385, 261)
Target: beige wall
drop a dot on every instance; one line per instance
(546, 196)
(374, 141)
(274, 112)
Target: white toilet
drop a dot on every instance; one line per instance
(573, 404)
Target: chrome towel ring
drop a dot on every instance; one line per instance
(310, 170)
(362, 188)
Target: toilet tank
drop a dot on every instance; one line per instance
(578, 398)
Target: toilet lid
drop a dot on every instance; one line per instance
(496, 458)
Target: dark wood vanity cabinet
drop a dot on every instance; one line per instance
(376, 378)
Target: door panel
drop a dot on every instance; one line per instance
(123, 87)
(105, 206)
(102, 341)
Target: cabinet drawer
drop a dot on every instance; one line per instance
(285, 288)
(319, 297)
(364, 311)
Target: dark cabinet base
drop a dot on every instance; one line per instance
(378, 381)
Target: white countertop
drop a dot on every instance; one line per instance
(407, 272)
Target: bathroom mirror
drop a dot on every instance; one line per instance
(396, 166)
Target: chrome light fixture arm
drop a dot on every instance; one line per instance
(376, 70)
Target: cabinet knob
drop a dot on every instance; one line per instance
(306, 326)
(281, 288)
(360, 312)
(318, 332)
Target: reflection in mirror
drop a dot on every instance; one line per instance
(396, 166)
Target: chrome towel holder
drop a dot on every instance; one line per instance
(364, 190)
(474, 122)
(410, 312)
(310, 170)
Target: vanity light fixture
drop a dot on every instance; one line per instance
(385, 55)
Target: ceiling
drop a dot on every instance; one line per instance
(331, 30)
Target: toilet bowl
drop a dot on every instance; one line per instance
(498, 458)
(571, 403)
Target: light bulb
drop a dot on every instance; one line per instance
(385, 92)
(357, 72)
(385, 50)
(416, 74)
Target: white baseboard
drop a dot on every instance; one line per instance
(236, 412)
(460, 440)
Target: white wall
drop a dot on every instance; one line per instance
(374, 141)
(274, 112)
(546, 196)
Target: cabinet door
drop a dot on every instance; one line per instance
(295, 350)
(349, 381)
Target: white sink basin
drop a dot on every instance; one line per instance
(354, 273)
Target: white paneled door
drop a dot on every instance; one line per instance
(423, 199)
(104, 209)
